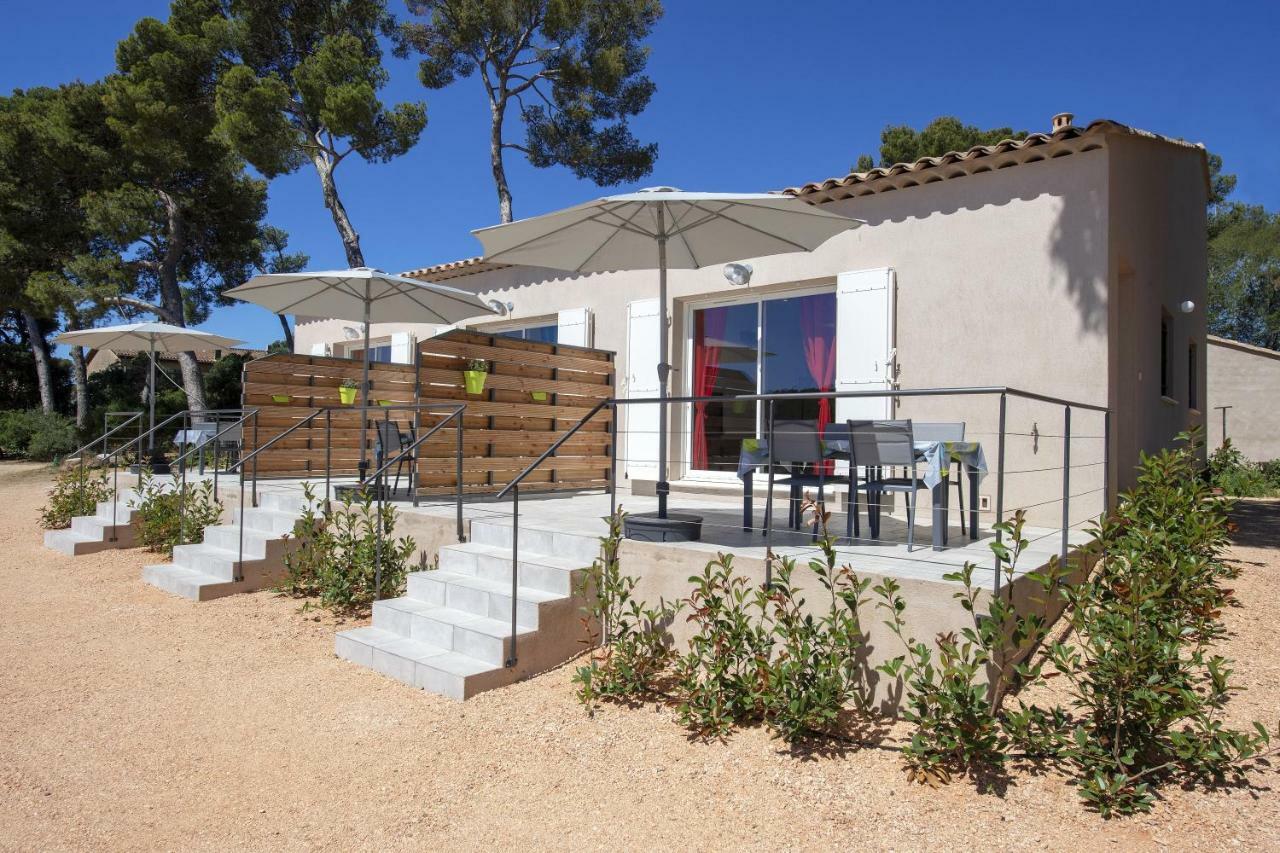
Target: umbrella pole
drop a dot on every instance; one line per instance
(364, 385)
(664, 369)
(151, 399)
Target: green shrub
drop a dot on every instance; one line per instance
(723, 673)
(1146, 689)
(813, 671)
(630, 641)
(1230, 471)
(173, 516)
(33, 434)
(336, 557)
(75, 492)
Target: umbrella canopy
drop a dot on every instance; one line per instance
(621, 232)
(154, 338)
(360, 293)
(372, 295)
(663, 228)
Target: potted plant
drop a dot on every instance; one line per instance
(474, 375)
(347, 391)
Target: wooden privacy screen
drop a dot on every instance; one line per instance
(505, 427)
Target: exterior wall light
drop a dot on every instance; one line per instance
(738, 274)
(1187, 307)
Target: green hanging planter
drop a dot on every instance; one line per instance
(540, 396)
(384, 402)
(347, 395)
(280, 398)
(475, 380)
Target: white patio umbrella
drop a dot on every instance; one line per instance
(154, 338)
(663, 228)
(373, 295)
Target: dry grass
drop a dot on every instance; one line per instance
(132, 719)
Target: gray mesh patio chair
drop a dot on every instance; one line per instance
(391, 441)
(876, 445)
(946, 431)
(797, 444)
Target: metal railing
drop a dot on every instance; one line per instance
(327, 412)
(455, 415)
(514, 488)
(771, 401)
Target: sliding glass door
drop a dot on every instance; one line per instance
(782, 345)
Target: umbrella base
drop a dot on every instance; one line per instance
(676, 527)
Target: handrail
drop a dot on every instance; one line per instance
(180, 461)
(243, 459)
(883, 392)
(519, 478)
(133, 416)
(376, 478)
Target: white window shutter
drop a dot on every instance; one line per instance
(865, 341)
(402, 347)
(320, 349)
(640, 427)
(574, 327)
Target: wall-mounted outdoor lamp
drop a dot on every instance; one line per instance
(503, 308)
(738, 274)
(1187, 307)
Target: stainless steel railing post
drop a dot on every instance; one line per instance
(458, 473)
(1004, 401)
(1066, 480)
(515, 570)
(613, 462)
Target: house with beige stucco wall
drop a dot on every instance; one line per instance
(1071, 264)
(1244, 384)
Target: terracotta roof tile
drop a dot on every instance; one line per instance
(454, 269)
(1061, 136)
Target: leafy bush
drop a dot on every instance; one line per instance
(33, 434)
(953, 687)
(173, 516)
(723, 672)
(1230, 471)
(1146, 689)
(629, 640)
(336, 557)
(813, 671)
(75, 492)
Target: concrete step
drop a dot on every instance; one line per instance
(488, 598)
(74, 544)
(89, 534)
(555, 574)
(420, 664)
(257, 543)
(479, 637)
(190, 583)
(576, 546)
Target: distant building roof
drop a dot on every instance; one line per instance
(454, 269)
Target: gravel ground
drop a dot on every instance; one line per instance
(132, 719)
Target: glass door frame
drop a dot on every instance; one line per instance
(722, 300)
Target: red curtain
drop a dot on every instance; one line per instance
(708, 333)
(816, 324)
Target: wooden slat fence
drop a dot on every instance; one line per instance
(505, 427)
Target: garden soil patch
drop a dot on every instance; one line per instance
(130, 719)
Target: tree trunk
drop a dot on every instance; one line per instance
(288, 332)
(497, 111)
(350, 239)
(171, 299)
(44, 368)
(80, 379)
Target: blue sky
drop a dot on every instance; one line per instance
(756, 96)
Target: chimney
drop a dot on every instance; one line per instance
(1062, 120)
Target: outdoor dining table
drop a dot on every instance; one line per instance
(197, 437)
(936, 455)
